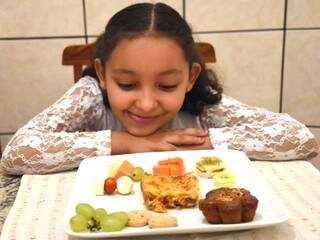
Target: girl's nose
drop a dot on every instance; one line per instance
(147, 102)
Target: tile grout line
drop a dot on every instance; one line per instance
(234, 31)
(6, 133)
(40, 38)
(283, 56)
(313, 126)
(184, 9)
(86, 36)
(303, 28)
(239, 30)
(85, 20)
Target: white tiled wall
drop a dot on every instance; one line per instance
(301, 93)
(258, 62)
(222, 15)
(303, 14)
(32, 80)
(253, 70)
(41, 18)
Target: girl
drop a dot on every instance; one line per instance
(149, 91)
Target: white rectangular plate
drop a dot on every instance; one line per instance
(270, 209)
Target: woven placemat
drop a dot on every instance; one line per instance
(41, 201)
(9, 186)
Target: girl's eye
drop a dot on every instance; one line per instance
(168, 88)
(127, 86)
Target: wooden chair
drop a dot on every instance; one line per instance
(80, 55)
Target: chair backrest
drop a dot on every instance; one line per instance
(81, 55)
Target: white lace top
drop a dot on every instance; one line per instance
(78, 126)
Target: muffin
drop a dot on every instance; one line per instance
(228, 205)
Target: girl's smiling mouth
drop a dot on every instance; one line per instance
(140, 118)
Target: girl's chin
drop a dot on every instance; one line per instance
(141, 132)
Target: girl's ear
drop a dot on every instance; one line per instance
(100, 72)
(193, 76)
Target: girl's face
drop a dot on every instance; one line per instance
(146, 79)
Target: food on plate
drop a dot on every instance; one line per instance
(114, 167)
(89, 219)
(228, 205)
(98, 186)
(78, 223)
(172, 161)
(162, 192)
(137, 174)
(138, 218)
(224, 179)
(99, 214)
(122, 216)
(110, 185)
(124, 185)
(169, 167)
(162, 220)
(208, 166)
(111, 224)
(125, 169)
(85, 210)
(114, 222)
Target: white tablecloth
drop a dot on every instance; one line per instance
(41, 201)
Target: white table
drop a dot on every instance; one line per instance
(39, 207)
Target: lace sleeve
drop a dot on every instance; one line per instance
(261, 134)
(62, 135)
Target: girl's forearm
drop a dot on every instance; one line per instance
(179, 139)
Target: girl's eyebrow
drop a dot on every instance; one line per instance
(173, 71)
(124, 71)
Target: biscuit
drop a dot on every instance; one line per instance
(138, 218)
(162, 220)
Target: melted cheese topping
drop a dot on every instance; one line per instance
(162, 192)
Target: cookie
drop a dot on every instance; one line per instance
(138, 218)
(162, 220)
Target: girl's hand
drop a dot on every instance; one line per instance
(178, 139)
(163, 140)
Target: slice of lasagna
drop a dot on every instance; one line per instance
(163, 192)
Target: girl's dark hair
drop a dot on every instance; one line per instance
(147, 18)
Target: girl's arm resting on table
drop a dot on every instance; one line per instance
(38, 152)
(62, 135)
(263, 135)
(162, 140)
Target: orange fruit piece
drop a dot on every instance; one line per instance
(169, 167)
(125, 169)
